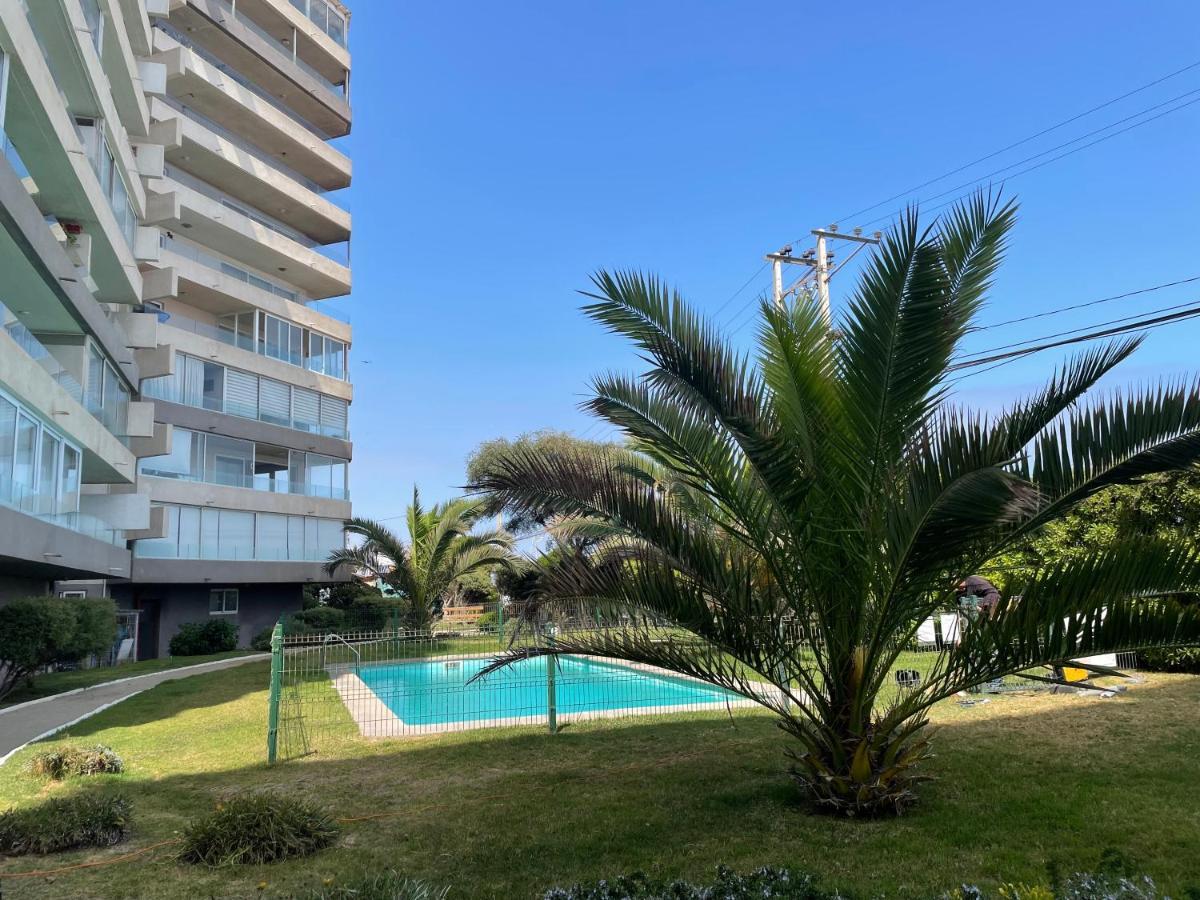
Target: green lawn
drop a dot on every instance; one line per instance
(506, 813)
(58, 682)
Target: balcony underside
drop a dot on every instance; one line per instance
(210, 26)
(35, 549)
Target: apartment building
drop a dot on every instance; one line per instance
(174, 388)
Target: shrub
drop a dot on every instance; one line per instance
(257, 828)
(321, 618)
(488, 620)
(767, 882)
(38, 631)
(389, 885)
(60, 762)
(262, 640)
(199, 638)
(1179, 659)
(67, 824)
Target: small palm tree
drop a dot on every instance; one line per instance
(796, 513)
(443, 547)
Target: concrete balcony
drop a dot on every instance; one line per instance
(198, 84)
(289, 26)
(230, 233)
(217, 293)
(265, 62)
(66, 548)
(228, 164)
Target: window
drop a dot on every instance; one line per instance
(95, 22)
(8, 436)
(209, 533)
(223, 602)
(23, 468)
(214, 386)
(72, 595)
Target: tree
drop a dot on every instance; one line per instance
(443, 548)
(38, 631)
(799, 510)
(545, 442)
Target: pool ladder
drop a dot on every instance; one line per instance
(357, 656)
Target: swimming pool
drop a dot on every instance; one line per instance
(434, 694)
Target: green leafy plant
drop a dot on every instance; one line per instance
(65, 824)
(200, 638)
(444, 547)
(390, 885)
(262, 640)
(1174, 659)
(784, 519)
(39, 631)
(60, 762)
(767, 882)
(257, 828)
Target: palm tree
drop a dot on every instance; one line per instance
(799, 510)
(443, 547)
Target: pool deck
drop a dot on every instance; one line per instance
(376, 720)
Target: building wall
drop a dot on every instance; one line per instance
(165, 607)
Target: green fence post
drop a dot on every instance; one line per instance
(396, 621)
(276, 690)
(500, 621)
(551, 699)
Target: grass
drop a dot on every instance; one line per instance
(58, 682)
(507, 813)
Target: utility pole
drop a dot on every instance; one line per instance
(777, 261)
(824, 258)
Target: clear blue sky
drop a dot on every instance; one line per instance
(504, 151)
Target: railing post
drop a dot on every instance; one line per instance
(551, 698)
(276, 690)
(500, 621)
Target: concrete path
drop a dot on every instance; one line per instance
(25, 723)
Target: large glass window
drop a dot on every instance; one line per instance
(25, 462)
(271, 536)
(208, 533)
(48, 470)
(8, 438)
(213, 396)
(237, 535)
(69, 498)
(228, 461)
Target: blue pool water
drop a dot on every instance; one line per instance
(435, 692)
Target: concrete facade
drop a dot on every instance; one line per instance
(165, 231)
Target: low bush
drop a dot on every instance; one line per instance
(1179, 659)
(67, 824)
(386, 886)
(200, 638)
(487, 620)
(321, 618)
(257, 828)
(767, 882)
(262, 640)
(61, 762)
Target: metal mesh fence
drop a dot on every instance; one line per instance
(346, 674)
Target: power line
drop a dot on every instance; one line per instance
(1063, 309)
(1141, 325)
(971, 186)
(1023, 141)
(735, 294)
(1153, 312)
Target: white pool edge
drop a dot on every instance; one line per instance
(376, 720)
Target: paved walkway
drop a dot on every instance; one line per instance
(27, 722)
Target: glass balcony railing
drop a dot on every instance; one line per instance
(229, 551)
(24, 499)
(195, 254)
(34, 348)
(325, 17)
(337, 90)
(250, 482)
(242, 144)
(330, 308)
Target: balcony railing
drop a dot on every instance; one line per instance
(195, 254)
(229, 551)
(337, 90)
(242, 144)
(24, 499)
(325, 17)
(251, 482)
(37, 351)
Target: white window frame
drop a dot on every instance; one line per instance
(224, 594)
(73, 595)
